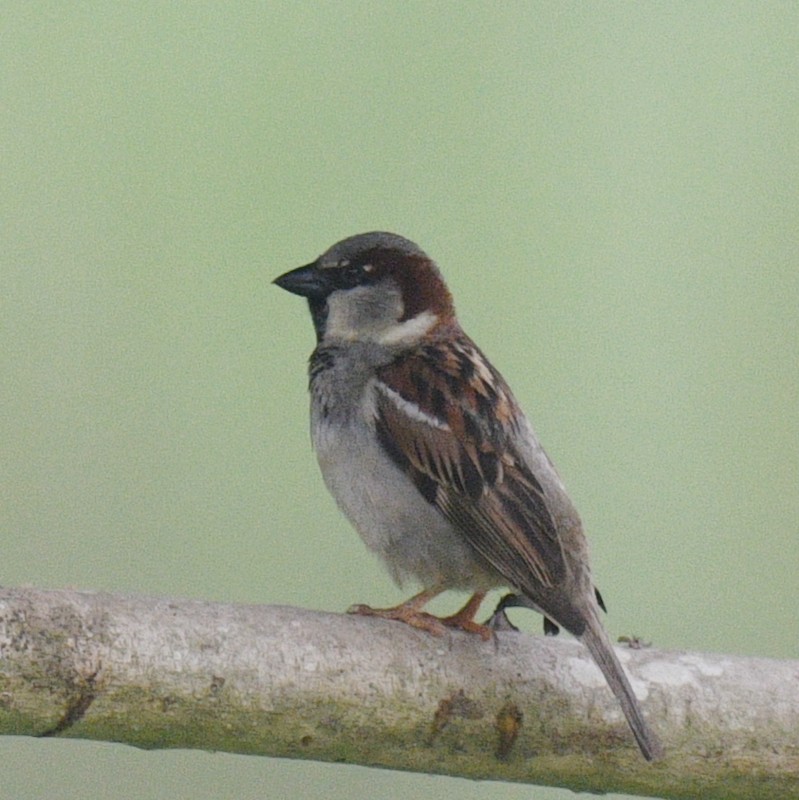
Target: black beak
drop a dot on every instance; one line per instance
(309, 281)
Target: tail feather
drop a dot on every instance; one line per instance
(598, 643)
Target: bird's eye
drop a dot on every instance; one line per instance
(353, 274)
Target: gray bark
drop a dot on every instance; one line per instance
(279, 681)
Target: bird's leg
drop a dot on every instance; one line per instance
(464, 619)
(410, 612)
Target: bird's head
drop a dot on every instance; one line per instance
(374, 287)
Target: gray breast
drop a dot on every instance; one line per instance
(395, 521)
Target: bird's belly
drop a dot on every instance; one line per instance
(410, 535)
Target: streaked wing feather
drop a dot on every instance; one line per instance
(460, 457)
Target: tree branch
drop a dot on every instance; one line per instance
(279, 681)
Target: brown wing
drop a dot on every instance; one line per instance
(447, 418)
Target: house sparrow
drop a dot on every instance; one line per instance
(429, 456)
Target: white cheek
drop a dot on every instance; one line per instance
(339, 323)
(371, 314)
(362, 313)
(409, 331)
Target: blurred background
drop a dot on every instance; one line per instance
(612, 192)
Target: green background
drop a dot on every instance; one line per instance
(612, 191)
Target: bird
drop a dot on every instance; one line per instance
(428, 454)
